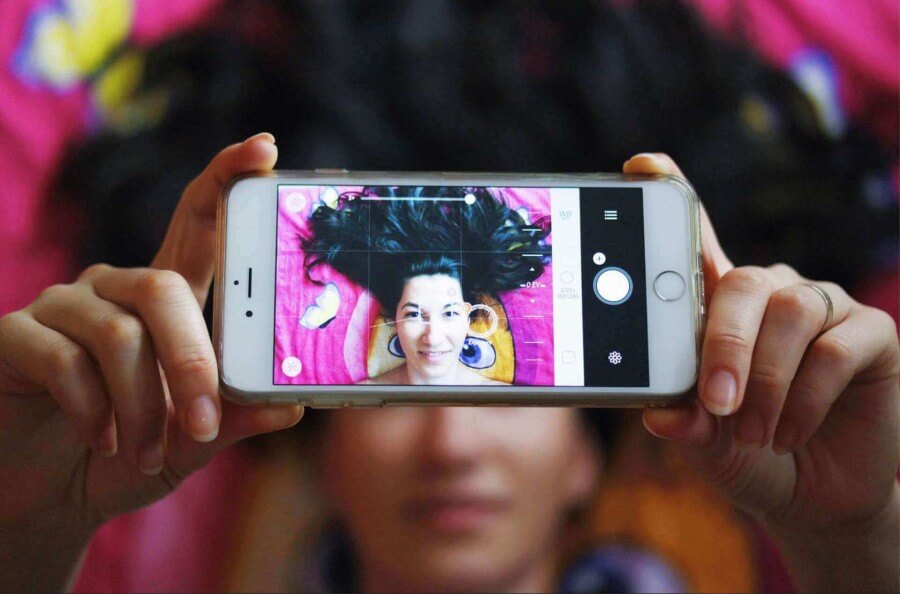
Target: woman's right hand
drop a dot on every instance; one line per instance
(109, 386)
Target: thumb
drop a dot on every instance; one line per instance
(687, 423)
(715, 262)
(186, 455)
(189, 247)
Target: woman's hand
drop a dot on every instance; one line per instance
(109, 387)
(797, 416)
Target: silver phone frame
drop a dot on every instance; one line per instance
(369, 395)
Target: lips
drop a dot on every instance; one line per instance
(457, 514)
(433, 355)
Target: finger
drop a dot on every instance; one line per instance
(715, 262)
(863, 348)
(683, 422)
(794, 316)
(246, 421)
(166, 304)
(120, 343)
(190, 244)
(65, 370)
(736, 311)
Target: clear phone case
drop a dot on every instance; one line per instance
(371, 395)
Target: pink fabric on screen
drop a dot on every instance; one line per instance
(322, 350)
(526, 331)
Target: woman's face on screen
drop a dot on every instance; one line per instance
(432, 321)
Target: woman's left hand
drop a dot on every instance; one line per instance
(797, 416)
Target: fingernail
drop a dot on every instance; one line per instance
(641, 155)
(720, 393)
(203, 419)
(651, 431)
(262, 136)
(749, 430)
(107, 443)
(784, 441)
(151, 459)
(646, 156)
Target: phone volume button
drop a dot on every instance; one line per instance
(702, 296)
(331, 170)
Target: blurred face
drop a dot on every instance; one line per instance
(457, 499)
(431, 323)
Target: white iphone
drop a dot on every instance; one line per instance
(337, 288)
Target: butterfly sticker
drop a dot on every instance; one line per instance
(324, 310)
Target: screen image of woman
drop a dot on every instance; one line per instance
(424, 283)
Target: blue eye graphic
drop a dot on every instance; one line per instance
(394, 347)
(478, 353)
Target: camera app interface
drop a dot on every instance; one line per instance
(461, 286)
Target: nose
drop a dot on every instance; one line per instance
(451, 439)
(431, 333)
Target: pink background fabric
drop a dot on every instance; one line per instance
(38, 234)
(860, 38)
(181, 543)
(337, 354)
(174, 544)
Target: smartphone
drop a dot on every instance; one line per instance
(337, 288)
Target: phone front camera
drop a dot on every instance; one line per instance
(249, 314)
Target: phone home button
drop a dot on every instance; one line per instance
(669, 286)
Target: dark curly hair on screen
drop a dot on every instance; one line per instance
(383, 236)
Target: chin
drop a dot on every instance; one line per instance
(467, 571)
(437, 374)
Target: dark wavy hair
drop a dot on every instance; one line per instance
(499, 85)
(496, 85)
(383, 236)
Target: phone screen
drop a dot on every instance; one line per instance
(451, 285)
